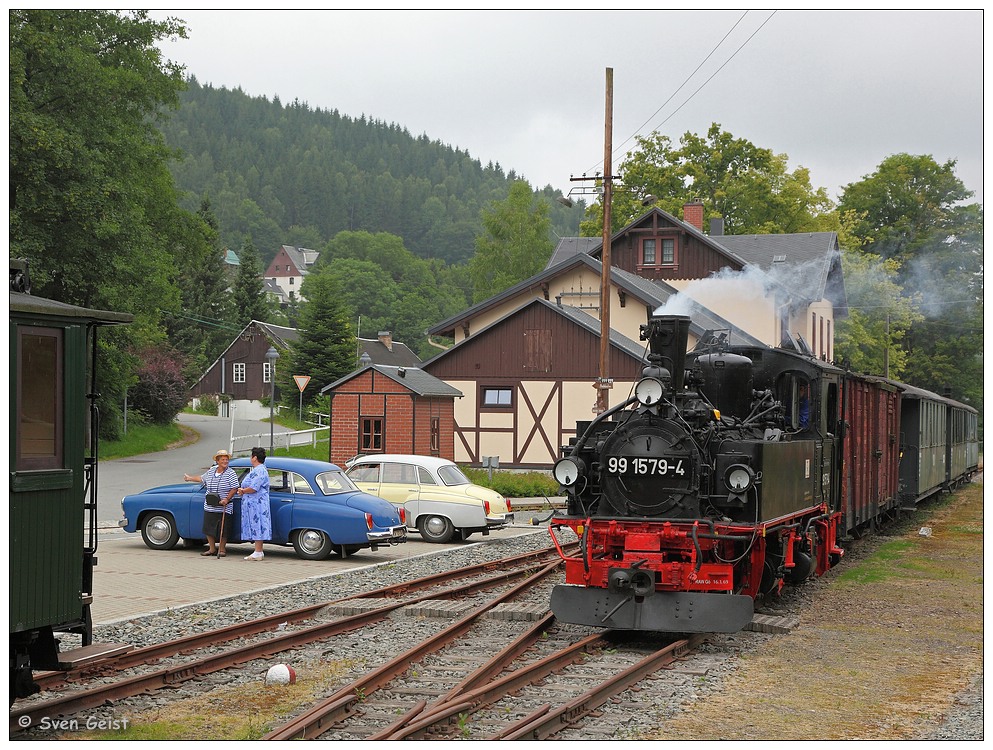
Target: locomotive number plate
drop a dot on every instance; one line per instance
(646, 466)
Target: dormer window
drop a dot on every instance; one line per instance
(668, 252)
(648, 252)
(658, 251)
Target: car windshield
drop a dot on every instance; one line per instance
(333, 482)
(452, 476)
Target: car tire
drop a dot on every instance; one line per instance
(158, 531)
(312, 544)
(436, 529)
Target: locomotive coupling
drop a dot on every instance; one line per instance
(631, 581)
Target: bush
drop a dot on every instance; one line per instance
(207, 405)
(161, 391)
(515, 484)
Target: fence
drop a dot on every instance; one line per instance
(283, 439)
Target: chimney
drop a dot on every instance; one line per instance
(693, 213)
(386, 339)
(717, 227)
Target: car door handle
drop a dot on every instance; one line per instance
(286, 499)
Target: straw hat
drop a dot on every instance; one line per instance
(220, 453)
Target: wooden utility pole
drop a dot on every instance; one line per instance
(604, 383)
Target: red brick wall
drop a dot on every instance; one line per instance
(407, 418)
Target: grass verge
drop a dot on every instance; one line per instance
(878, 655)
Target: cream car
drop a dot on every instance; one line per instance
(440, 501)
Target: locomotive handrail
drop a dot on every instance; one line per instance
(599, 418)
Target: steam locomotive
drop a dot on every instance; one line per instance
(732, 471)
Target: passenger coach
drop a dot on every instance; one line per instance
(53, 459)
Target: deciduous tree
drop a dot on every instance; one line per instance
(748, 186)
(515, 244)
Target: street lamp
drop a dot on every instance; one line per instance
(272, 355)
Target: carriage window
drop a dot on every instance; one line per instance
(39, 399)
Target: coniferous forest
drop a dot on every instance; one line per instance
(291, 174)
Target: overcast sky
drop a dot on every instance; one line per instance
(837, 91)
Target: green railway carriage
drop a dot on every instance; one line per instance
(52, 469)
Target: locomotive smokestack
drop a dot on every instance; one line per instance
(667, 336)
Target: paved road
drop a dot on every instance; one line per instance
(126, 476)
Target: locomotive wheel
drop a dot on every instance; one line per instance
(312, 544)
(158, 531)
(437, 529)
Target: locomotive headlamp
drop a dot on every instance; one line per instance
(568, 470)
(649, 391)
(739, 478)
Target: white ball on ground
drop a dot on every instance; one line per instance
(280, 674)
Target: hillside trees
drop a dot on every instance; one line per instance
(270, 166)
(203, 326)
(391, 289)
(515, 245)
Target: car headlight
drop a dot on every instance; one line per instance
(568, 470)
(739, 478)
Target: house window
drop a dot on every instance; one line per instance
(291, 280)
(372, 434)
(239, 372)
(658, 251)
(266, 372)
(498, 397)
(435, 436)
(39, 399)
(668, 252)
(648, 252)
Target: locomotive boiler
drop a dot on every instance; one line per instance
(709, 486)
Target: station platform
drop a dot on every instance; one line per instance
(131, 580)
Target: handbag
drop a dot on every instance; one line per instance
(213, 499)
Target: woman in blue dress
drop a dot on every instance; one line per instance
(256, 518)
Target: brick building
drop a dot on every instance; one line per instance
(391, 409)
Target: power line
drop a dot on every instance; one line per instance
(699, 88)
(685, 81)
(716, 71)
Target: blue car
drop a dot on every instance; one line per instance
(315, 507)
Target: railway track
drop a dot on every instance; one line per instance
(487, 662)
(133, 673)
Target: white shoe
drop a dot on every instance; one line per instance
(256, 556)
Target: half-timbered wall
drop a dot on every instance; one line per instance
(547, 386)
